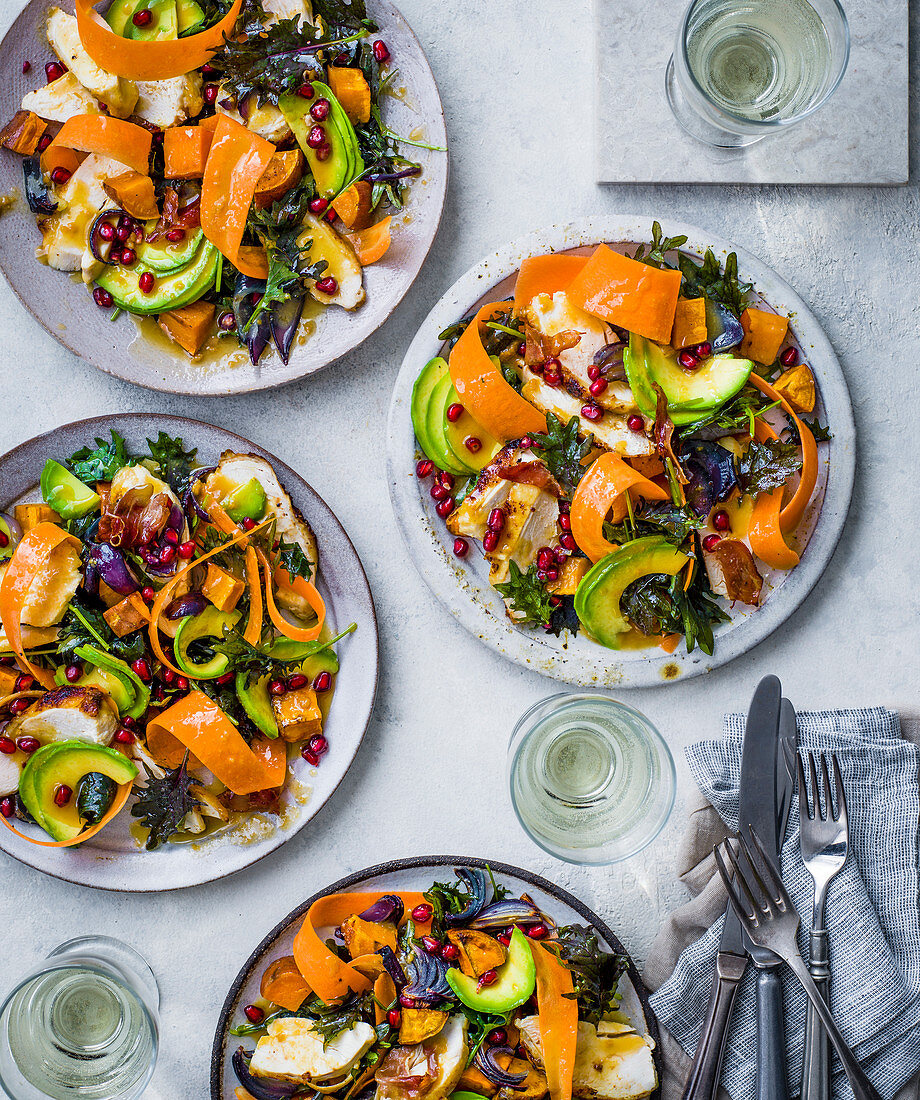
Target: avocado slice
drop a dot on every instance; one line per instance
(457, 431)
(169, 292)
(119, 688)
(344, 163)
(435, 419)
(464, 1095)
(257, 702)
(119, 14)
(428, 378)
(164, 26)
(211, 623)
(164, 258)
(107, 662)
(65, 763)
(246, 501)
(517, 979)
(312, 663)
(597, 599)
(189, 16)
(66, 494)
(690, 394)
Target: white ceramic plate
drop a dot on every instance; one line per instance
(417, 874)
(67, 311)
(463, 587)
(112, 859)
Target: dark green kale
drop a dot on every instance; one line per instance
(562, 450)
(292, 559)
(256, 661)
(673, 521)
(102, 463)
(163, 803)
(330, 1020)
(174, 461)
(564, 617)
(654, 255)
(821, 433)
(710, 280)
(595, 972)
(658, 604)
(768, 465)
(453, 332)
(733, 418)
(530, 602)
(84, 624)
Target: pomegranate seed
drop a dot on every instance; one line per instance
(248, 523)
(421, 914)
(704, 350)
(496, 519)
(187, 550)
(445, 507)
(320, 110)
(545, 557)
(635, 423)
(552, 378)
(489, 978)
(168, 675)
(565, 522)
(142, 18)
(277, 687)
(567, 541)
(526, 442)
(327, 285)
(721, 521)
(62, 794)
(688, 359)
(489, 541)
(552, 574)
(431, 945)
(148, 594)
(439, 491)
(504, 937)
(4, 540)
(18, 706)
(454, 412)
(394, 1017)
(297, 681)
(73, 673)
(592, 412)
(107, 232)
(561, 555)
(54, 70)
(254, 1014)
(208, 70)
(537, 931)
(102, 298)
(181, 683)
(542, 576)
(227, 322)
(141, 669)
(318, 205)
(226, 678)
(124, 737)
(158, 694)
(26, 66)
(473, 444)
(167, 554)
(461, 548)
(555, 601)
(146, 282)
(171, 535)
(381, 53)
(446, 479)
(316, 137)
(123, 232)
(406, 1001)
(310, 756)
(128, 257)
(129, 722)
(498, 1037)
(307, 91)
(318, 744)
(44, 142)
(60, 175)
(598, 386)
(24, 682)
(323, 682)
(7, 746)
(424, 468)
(710, 542)
(210, 93)
(450, 951)
(176, 235)
(790, 357)
(7, 807)
(594, 373)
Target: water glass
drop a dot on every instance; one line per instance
(591, 779)
(742, 69)
(81, 1025)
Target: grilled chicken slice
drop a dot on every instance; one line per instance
(294, 1051)
(78, 713)
(611, 431)
(118, 95)
(437, 1064)
(51, 590)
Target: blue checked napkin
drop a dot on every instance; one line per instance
(873, 911)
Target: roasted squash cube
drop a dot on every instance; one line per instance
(222, 588)
(283, 172)
(689, 323)
(798, 387)
(365, 937)
(189, 326)
(352, 91)
(185, 151)
(23, 133)
(297, 714)
(419, 1024)
(129, 615)
(474, 1080)
(569, 577)
(134, 193)
(764, 334)
(8, 678)
(479, 952)
(31, 515)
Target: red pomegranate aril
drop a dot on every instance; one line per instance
(489, 541)
(18, 706)
(26, 67)
(254, 1014)
(406, 1001)
(129, 722)
(141, 668)
(635, 423)
(552, 377)
(704, 350)
(320, 110)
(421, 914)
(128, 257)
(318, 205)
(555, 601)
(594, 373)
(394, 1017)
(148, 594)
(424, 468)
(24, 682)
(208, 70)
(310, 756)
(171, 535)
(431, 945)
(62, 794)
(7, 746)
(565, 522)
(4, 540)
(567, 541)
(552, 574)
(175, 235)
(186, 550)
(327, 285)
(277, 687)
(542, 576)
(60, 176)
(461, 548)
(473, 444)
(210, 93)
(445, 507)
(297, 681)
(545, 557)
(7, 807)
(227, 322)
(498, 1037)
(439, 491)
(318, 744)
(124, 736)
(146, 282)
(721, 520)
(561, 555)
(592, 412)
(28, 745)
(454, 412)
(227, 678)
(564, 507)
(122, 231)
(688, 359)
(107, 232)
(306, 91)
(489, 978)
(168, 675)
(496, 519)
(44, 142)
(248, 523)
(526, 442)
(598, 387)
(710, 542)
(102, 298)
(181, 683)
(322, 682)
(167, 554)
(381, 53)
(504, 937)
(54, 70)
(73, 673)
(790, 357)
(450, 951)
(537, 931)
(142, 18)
(316, 137)
(446, 479)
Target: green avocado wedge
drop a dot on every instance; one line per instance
(119, 14)
(435, 426)
(211, 624)
(169, 291)
(254, 697)
(163, 26)
(597, 599)
(246, 501)
(428, 378)
(344, 162)
(517, 979)
(66, 494)
(110, 663)
(120, 689)
(189, 16)
(163, 258)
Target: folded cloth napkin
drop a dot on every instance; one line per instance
(873, 912)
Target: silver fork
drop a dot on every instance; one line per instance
(824, 843)
(768, 916)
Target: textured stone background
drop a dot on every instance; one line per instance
(517, 85)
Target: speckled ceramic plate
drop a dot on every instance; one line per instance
(112, 860)
(67, 311)
(418, 874)
(463, 587)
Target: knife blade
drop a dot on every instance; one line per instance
(758, 784)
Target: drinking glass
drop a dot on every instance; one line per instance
(591, 779)
(81, 1025)
(742, 69)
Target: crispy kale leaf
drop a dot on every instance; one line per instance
(657, 604)
(329, 1020)
(710, 280)
(595, 972)
(292, 558)
(163, 803)
(820, 431)
(674, 521)
(84, 625)
(257, 661)
(342, 15)
(527, 595)
(767, 465)
(174, 460)
(562, 450)
(102, 463)
(734, 417)
(654, 255)
(268, 62)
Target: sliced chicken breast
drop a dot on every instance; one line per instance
(611, 431)
(293, 1050)
(69, 713)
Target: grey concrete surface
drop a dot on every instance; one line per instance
(518, 85)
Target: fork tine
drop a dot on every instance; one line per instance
(767, 899)
(815, 789)
(841, 793)
(804, 806)
(780, 892)
(745, 912)
(827, 789)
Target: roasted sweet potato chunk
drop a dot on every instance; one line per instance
(129, 615)
(283, 984)
(134, 193)
(23, 133)
(798, 387)
(419, 1024)
(283, 172)
(479, 952)
(352, 91)
(189, 326)
(354, 205)
(533, 1087)
(364, 937)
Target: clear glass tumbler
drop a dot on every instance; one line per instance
(591, 779)
(742, 69)
(81, 1025)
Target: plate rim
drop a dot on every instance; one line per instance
(157, 385)
(461, 599)
(364, 597)
(419, 862)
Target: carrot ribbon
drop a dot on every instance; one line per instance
(558, 1017)
(303, 588)
(603, 489)
(765, 532)
(121, 797)
(545, 275)
(102, 134)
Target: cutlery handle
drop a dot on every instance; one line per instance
(771, 1038)
(816, 1067)
(703, 1080)
(862, 1087)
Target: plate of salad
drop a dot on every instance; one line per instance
(628, 461)
(437, 977)
(188, 652)
(216, 196)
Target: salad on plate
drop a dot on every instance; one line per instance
(163, 644)
(631, 439)
(223, 168)
(462, 991)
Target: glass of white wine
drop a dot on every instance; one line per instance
(742, 69)
(591, 779)
(81, 1025)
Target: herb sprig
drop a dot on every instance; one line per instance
(562, 450)
(527, 595)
